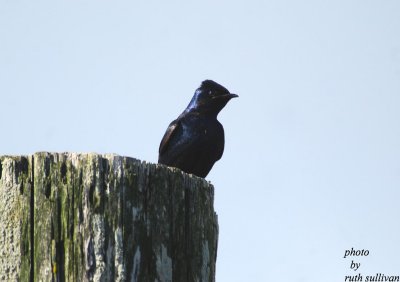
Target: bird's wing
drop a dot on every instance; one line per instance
(172, 128)
(178, 146)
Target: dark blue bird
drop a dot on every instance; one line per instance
(195, 140)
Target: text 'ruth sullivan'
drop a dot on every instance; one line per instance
(379, 277)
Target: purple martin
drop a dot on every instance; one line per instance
(195, 140)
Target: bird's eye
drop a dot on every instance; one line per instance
(210, 93)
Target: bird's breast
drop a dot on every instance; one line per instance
(209, 130)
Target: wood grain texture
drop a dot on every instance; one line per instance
(91, 217)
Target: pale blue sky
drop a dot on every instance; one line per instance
(311, 164)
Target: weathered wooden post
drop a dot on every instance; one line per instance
(90, 217)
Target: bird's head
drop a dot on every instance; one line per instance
(210, 98)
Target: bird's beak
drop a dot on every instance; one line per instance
(227, 96)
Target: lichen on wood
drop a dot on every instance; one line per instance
(90, 217)
(15, 220)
